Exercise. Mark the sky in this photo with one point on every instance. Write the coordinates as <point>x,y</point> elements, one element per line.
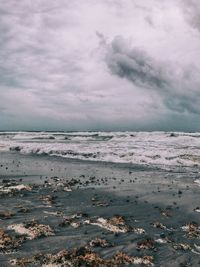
<point>100,65</point>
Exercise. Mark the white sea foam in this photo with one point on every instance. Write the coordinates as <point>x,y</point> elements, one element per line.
<point>149,148</point>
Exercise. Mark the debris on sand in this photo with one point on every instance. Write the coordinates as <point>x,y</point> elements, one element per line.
<point>6,215</point>
<point>32,230</point>
<point>100,204</point>
<point>185,247</point>
<point>48,199</point>
<point>97,203</point>
<point>159,225</point>
<point>57,184</point>
<point>14,188</point>
<point>197,209</point>
<point>73,220</point>
<point>75,224</point>
<point>147,243</point>
<point>162,240</point>
<point>139,231</point>
<point>99,242</point>
<point>67,189</point>
<point>76,216</point>
<point>192,229</point>
<point>121,259</point>
<point>116,224</point>
<point>8,242</point>
<point>23,209</point>
<point>52,213</point>
<point>83,257</point>
<point>166,213</point>
<point>182,246</point>
<point>23,262</point>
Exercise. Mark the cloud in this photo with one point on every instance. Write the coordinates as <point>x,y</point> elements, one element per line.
<point>135,65</point>
<point>191,10</point>
<point>53,72</point>
<point>178,86</point>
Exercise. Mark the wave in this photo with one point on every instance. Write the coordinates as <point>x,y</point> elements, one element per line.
<point>144,148</point>
<point>25,136</point>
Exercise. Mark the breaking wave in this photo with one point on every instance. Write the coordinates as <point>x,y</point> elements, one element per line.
<point>146,148</point>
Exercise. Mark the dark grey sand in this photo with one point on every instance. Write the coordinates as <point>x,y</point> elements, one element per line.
<point>158,201</point>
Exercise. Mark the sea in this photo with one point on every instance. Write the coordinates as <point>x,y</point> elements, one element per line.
<point>164,150</point>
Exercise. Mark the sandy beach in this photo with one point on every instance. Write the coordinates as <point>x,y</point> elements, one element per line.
<point>99,133</point>
<point>58,212</point>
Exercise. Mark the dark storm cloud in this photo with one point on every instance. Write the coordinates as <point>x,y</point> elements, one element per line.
<point>178,87</point>
<point>135,65</point>
<point>192,12</point>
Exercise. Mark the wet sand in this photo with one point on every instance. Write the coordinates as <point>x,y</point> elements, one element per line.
<point>96,214</point>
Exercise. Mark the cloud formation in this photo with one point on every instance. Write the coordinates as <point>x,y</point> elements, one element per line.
<point>99,65</point>
<point>192,12</point>
<point>178,86</point>
<point>135,65</point>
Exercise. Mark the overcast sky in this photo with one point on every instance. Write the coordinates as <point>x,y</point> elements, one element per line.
<point>100,65</point>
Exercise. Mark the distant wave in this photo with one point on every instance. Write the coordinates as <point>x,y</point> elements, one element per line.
<point>144,148</point>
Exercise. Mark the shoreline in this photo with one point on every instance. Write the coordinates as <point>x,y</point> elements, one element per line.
<point>125,165</point>
<point>83,201</point>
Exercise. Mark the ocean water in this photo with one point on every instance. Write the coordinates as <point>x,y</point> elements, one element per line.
<point>161,149</point>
